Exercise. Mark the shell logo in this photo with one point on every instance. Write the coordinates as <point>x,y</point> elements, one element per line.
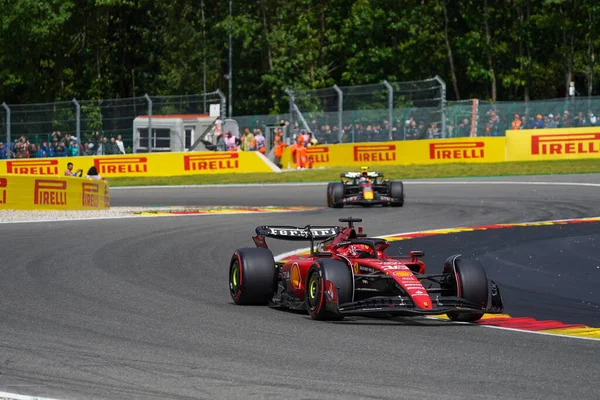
<point>295,276</point>
<point>402,273</point>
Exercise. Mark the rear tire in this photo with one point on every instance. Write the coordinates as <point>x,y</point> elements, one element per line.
<point>252,276</point>
<point>471,285</point>
<point>318,274</point>
<point>335,195</point>
<point>397,193</point>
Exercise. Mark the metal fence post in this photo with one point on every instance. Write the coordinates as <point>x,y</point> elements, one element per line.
<point>222,106</point>
<point>77,124</point>
<point>149,100</point>
<point>340,111</point>
<point>442,103</point>
<point>7,129</point>
<point>390,90</point>
<point>292,99</point>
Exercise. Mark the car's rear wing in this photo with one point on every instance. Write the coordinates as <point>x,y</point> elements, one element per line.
<point>354,175</point>
<point>293,233</point>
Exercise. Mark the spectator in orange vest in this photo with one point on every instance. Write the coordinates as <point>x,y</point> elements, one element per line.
<point>299,154</point>
<point>516,123</point>
<point>279,145</point>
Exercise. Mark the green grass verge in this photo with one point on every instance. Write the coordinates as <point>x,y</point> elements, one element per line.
<point>393,172</point>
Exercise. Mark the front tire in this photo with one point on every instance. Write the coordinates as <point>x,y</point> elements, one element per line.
<point>252,276</point>
<point>335,195</point>
<point>322,271</point>
<point>471,284</point>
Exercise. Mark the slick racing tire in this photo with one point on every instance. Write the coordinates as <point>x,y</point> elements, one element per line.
<point>315,292</point>
<point>252,276</point>
<point>397,193</point>
<point>335,195</point>
<point>471,284</point>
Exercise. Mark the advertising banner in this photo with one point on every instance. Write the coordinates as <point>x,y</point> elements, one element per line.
<point>553,144</point>
<point>464,150</point>
<point>136,165</point>
<point>38,192</point>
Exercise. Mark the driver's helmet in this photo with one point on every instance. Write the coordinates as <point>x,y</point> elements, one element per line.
<point>358,250</point>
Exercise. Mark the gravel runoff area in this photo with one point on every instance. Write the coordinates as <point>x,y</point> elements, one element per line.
<point>15,216</point>
<point>7,216</point>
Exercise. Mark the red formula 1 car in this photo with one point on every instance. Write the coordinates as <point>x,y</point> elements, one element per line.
<point>347,273</point>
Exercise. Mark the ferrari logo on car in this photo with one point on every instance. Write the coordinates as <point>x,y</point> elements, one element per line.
<point>355,268</point>
<point>295,276</point>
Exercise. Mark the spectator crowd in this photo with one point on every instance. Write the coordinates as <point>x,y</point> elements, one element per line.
<point>62,145</point>
<point>412,128</point>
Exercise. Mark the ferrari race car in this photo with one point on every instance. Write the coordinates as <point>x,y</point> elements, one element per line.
<point>349,274</point>
<point>366,189</point>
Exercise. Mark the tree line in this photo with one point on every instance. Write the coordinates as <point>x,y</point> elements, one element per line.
<point>495,50</point>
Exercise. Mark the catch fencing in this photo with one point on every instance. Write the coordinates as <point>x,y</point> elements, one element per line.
<point>91,121</point>
<point>382,112</point>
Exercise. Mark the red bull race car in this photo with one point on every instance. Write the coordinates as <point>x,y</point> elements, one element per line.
<point>349,274</point>
<point>366,189</point>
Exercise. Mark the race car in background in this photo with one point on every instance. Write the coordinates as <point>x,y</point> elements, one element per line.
<point>350,274</point>
<point>366,189</point>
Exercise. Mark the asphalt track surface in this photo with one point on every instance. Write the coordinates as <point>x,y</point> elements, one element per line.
<point>139,308</point>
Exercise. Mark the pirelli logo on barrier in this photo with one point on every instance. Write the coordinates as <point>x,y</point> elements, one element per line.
<point>121,165</point>
<point>318,154</point>
<point>106,197</point>
<point>558,144</point>
<point>3,186</point>
<point>50,192</point>
<point>211,162</point>
<point>32,167</point>
<point>90,194</point>
<point>375,153</point>
<point>456,150</point>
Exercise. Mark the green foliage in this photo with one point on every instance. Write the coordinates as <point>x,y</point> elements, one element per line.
<point>59,49</point>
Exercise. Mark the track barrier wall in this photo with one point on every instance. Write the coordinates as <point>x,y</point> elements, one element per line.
<point>38,192</point>
<point>521,145</point>
<point>144,164</point>
<point>465,150</point>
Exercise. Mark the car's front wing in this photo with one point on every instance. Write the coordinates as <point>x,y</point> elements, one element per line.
<point>404,306</point>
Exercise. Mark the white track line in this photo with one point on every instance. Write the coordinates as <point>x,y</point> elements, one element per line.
<point>407,182</point>
<point>282,256</point>
<point>21,397</point>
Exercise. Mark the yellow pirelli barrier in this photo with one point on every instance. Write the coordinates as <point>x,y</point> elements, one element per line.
<point>464,150</point>
<point>37,192</point>
<point>553,144</point>
<point>139,165</point>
